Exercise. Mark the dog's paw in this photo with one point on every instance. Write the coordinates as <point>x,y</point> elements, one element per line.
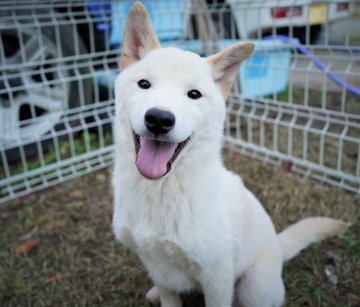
<point>153,296</point>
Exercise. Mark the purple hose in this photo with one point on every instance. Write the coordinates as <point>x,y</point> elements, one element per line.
<point>341,82</point>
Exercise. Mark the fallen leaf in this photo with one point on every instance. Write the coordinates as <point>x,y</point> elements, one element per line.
<point>52,225</point>
<point>52,278</point>
<point>287,166</point>
<point>27,247</point>
<point>35,223</point>
<point>353,299</point>
<point>120,286</point>
<point>76,194</point>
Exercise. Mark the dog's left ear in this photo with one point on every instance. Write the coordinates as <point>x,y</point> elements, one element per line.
<point>139,36</point>
<point>226,63</point>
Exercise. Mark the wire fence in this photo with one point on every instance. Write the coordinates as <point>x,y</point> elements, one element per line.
<point>296,102</point>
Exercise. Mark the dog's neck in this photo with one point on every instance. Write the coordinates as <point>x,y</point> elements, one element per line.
<point>172,200</point>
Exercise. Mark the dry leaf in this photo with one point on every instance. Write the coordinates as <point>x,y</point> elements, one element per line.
<point>353,299</point>
<point>35,223</point>
<point>27,247</point>
<point>120,286</point>
<point>76,194</point>
<point>287,166</point>
<point>52,278</point>
<point>52,225</point>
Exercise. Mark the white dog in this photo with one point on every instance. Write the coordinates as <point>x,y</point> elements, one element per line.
<point>193,223</point>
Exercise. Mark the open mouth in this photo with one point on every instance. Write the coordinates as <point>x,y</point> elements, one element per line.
<point>154,158</point>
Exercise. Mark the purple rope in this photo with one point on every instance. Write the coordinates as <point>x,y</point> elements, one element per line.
<point>336,79</point>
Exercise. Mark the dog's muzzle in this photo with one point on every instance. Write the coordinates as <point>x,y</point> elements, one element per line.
<point>155,151</point>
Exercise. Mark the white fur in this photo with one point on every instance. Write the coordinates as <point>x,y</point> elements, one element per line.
<point>199,227</point>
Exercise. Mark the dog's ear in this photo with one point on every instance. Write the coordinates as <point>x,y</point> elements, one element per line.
<point>139,36</point>
<point>226,63</point>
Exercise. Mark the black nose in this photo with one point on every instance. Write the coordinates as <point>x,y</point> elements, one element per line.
<point>159,121</point>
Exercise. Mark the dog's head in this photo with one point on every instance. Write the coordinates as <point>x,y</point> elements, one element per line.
<point>170,100</point>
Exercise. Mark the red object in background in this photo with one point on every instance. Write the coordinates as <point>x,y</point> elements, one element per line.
<point>286,11</point>
<point>344,6</point>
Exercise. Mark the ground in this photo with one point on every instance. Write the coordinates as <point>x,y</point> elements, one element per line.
<point>57,248</point>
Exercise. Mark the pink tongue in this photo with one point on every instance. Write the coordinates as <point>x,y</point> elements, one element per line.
<point>153,157</point>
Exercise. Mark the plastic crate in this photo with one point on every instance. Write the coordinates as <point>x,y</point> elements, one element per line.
<point>266,71</point>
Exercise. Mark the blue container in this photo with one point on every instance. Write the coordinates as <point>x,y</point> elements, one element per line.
<point>266,71</point>
<point>166,16</point>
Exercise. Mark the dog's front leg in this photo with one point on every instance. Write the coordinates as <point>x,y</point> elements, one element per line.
<point>168,298</point>
<point>217,285</point>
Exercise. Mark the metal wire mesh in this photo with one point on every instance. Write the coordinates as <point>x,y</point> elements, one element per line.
<point>58,61</point>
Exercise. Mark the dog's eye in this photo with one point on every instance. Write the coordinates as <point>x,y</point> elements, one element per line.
<point>144,84</point>
<point>194,94</point>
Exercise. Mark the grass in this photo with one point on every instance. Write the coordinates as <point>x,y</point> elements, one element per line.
<point>329,100</point>
<point>68,147</point>
<point>78,262</point>
<point>316,137</point>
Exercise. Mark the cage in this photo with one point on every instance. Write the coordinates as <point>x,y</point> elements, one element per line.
<point>296,105</point>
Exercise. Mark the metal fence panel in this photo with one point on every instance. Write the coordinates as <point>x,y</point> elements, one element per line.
<point>296,102</point>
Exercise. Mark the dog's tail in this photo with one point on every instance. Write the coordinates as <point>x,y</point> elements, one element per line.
<point>310,230</point>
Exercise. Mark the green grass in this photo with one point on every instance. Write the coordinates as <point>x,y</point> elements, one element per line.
<point>313,138</point>
<point>315,98</point>
<point>66,148</point>
<point>79,263</point>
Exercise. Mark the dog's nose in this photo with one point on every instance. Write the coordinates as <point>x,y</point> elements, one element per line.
<point>159,121</point>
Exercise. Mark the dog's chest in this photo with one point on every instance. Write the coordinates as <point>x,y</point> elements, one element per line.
<point>162,229</point>
<point>160,250</point>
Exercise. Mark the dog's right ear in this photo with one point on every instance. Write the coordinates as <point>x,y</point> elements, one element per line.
<point>139,36</point>
<point>226,63</point>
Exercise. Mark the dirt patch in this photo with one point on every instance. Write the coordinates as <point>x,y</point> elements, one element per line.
<point>77,261</point>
